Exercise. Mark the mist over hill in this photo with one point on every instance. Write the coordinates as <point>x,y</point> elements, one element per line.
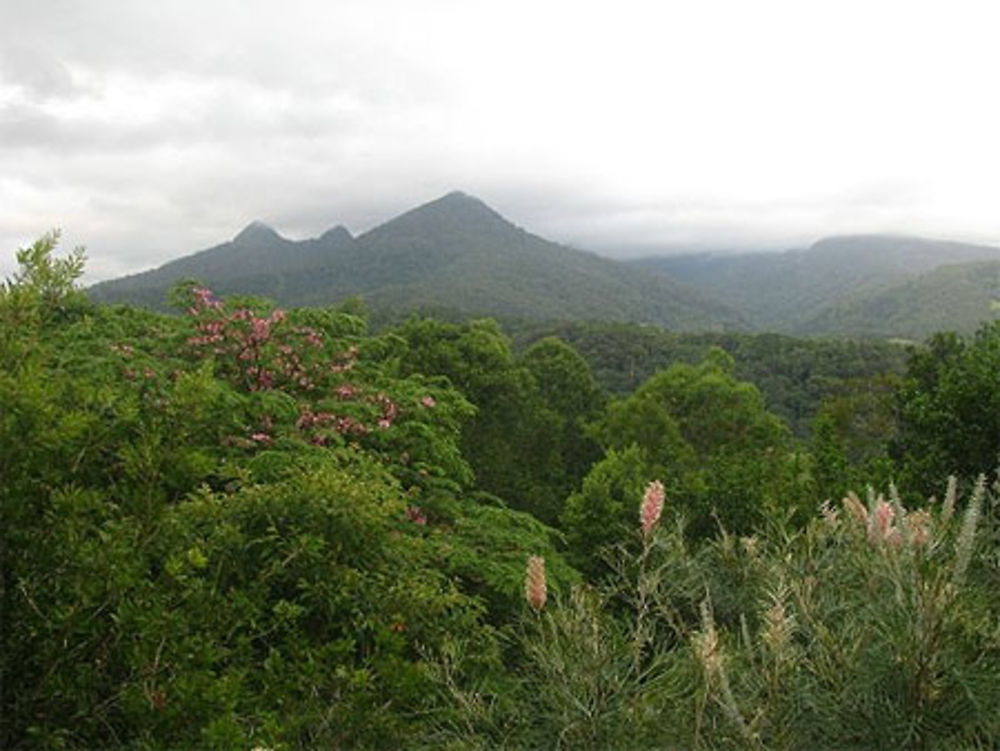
<point>844,285</point>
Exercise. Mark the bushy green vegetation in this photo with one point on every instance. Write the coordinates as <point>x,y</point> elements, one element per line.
<point>794,375</point>
<point>248,527</point>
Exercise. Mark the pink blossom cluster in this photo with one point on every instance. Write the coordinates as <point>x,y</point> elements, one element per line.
<point>264,357</point>
<point>345,360</point>
<point>204,299</point>
<point>389,411</point>
<point>345,392</point>
<point>343,424</point>
<point>415,515</point>
<point>310,336</point>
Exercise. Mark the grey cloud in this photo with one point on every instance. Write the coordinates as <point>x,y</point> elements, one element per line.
<point>39,74</point>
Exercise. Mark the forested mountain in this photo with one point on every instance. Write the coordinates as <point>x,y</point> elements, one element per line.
<point>811,290</point>
<point>453,253</point>
<point>957,297</point>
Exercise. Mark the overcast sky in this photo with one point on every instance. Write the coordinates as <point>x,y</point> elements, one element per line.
<point>147,130</point>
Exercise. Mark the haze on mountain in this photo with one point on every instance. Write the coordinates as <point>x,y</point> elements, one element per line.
<point>861,285</point>
<point>454,253</point>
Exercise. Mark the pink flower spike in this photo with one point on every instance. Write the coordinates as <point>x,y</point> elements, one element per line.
<point>535,589</point>
<point>880,523</point>
<point>428,401</point>
<point>652,506</point>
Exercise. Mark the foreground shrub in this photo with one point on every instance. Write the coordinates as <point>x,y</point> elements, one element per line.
<point>874,627</point>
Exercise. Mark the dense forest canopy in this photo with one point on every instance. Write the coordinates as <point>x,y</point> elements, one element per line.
<point>247,526</point>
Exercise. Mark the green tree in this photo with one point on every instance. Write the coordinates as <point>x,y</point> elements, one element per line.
<point>604,511</point>
<point>948,406</point>
<point>711,441</point>
<point>513,441</point>
<point>569,390</point>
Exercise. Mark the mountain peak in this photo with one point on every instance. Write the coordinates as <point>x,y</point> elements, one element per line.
<point>338,233</point>
<point>457,200</point>
<point>256,232</point>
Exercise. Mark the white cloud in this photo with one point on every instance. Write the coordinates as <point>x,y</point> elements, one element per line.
<point>150,130</point>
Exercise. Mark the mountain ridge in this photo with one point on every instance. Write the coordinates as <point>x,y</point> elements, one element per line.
<point>787,291</point>
<point>455,252</point>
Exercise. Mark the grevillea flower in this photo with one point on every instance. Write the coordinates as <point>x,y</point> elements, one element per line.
<point>918,527</point>
<point>880,526</point>
<point>854,507</point>
<point>652,506</point>
<point>428,401</point>
<point>535,591</point>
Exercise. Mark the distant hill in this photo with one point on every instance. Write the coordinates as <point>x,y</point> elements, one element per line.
<point>814,290</point>
<point>454,253</point>
<point>957,297</point>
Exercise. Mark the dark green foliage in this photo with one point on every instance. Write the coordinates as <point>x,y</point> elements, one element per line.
<point>709,439</point>
<point>831,469</point>
<point>573,398</point>
<point>514,440</point>
<point>857,422</point>
<point>949,407</point>
<point>603,511</point>
<point>794,375</point>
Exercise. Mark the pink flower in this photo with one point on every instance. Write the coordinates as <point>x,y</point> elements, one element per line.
<point>415,515</point>
<point>652,506</point>
<point>535,590</point>
<point>261,438</point>
<point>261,328</point>
<point>428,401</point>
<point>204,298</point>
<point>345,391</point>
<point>880,522</point>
